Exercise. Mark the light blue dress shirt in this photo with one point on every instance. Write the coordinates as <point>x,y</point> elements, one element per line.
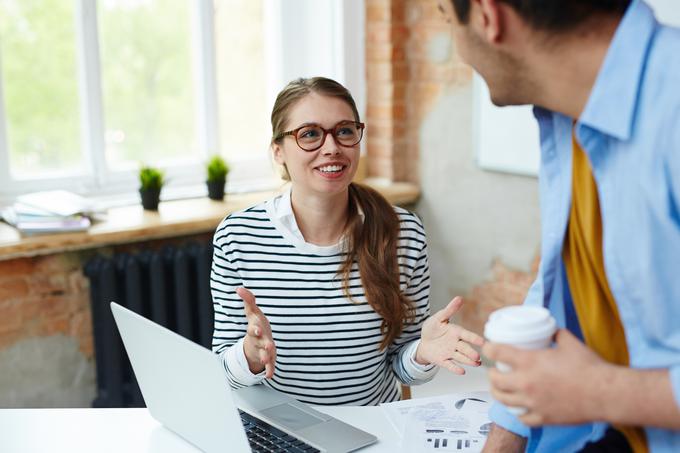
<point>630,130</point>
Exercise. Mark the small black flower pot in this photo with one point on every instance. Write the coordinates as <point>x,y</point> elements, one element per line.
<point>216,189</point>
<point>150,198</point>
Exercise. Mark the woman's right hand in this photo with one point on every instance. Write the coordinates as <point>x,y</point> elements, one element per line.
<point>258,344</point>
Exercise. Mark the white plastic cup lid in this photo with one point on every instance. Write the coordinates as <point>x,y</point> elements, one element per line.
<point>519,324</point>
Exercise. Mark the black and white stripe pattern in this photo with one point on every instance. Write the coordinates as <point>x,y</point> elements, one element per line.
<point>327,346</point>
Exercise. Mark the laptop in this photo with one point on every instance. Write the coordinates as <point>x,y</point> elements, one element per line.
<point>185,388</point>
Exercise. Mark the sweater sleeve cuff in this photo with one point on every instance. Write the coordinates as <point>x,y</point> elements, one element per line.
<point>501,417</point>
<point>414,369</point>
<point>238,365</point>
<point>674,374</point>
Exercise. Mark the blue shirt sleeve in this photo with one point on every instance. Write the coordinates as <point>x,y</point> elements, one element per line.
<point>674,374</point>
<point>499,415</point>
<point>535,294</point>
<point>673,168</point>
<point>673,165</point>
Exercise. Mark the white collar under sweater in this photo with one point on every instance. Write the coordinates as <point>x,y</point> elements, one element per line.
<point>280,210</point>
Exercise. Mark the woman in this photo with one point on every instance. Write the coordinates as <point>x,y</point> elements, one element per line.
<point>341,277</point>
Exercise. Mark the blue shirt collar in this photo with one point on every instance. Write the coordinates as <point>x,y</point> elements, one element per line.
<point>612,103</point>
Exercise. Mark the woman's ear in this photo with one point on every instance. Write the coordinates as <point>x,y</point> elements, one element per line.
<point>277,152</point>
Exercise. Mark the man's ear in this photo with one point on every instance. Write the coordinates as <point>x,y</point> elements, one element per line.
<point>277,152</point>
<point>489,19</point>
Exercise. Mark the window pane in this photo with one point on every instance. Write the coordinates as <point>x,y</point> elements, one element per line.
<point>147,83</point>
<point>244,116</point>
<point>39,76</point>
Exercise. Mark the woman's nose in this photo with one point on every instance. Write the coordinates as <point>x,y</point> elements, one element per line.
<point>330,145</point>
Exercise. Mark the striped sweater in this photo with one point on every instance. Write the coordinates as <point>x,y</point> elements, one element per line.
<point>327,346</point>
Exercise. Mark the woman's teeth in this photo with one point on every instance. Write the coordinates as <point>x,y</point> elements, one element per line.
<point>331,168</point>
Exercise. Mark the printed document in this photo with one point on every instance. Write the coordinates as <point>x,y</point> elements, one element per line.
<point>457,422</point>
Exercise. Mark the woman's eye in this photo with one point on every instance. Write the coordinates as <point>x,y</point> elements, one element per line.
<point>345,131</point>
<point>309,133</point>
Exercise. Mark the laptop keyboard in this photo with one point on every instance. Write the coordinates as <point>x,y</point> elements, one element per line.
<point>264,438</point>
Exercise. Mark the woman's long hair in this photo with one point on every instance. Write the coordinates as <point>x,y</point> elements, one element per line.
<point>371,241</point>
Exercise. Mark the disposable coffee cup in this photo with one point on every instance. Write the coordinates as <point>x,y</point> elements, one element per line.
<point>523,327</point>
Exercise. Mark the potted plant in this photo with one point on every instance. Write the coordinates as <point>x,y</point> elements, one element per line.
<point>217,170</point>
<point>151,181</point>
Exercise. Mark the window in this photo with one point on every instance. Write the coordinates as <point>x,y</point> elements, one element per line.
<point>91,89</point>
<point>146,82</point>
<point>240,67</point>
<point>40,88</point>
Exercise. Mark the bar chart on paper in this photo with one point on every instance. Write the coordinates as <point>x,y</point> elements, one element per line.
<point>448,423</point>
<point>459,444</point>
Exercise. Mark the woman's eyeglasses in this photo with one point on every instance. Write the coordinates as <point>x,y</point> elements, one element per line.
<point>311,137</point>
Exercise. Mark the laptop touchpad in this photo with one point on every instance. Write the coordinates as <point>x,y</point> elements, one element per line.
<point>290,416</point>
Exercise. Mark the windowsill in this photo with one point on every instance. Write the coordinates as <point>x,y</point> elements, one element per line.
<point>126,224</point>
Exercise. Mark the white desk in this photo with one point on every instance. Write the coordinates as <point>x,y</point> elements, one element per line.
<point>134,430</point>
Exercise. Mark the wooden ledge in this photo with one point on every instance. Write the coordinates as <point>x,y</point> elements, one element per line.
<point>174,218</point>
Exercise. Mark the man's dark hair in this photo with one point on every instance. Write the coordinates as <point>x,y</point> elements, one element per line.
<point>553,15</point>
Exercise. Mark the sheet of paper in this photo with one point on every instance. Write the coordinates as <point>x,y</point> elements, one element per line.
<point>454,422</point>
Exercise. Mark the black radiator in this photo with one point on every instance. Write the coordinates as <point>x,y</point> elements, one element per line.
<point>170,286</point>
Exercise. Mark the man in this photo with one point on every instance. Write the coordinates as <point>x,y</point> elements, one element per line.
<point>604,77</point>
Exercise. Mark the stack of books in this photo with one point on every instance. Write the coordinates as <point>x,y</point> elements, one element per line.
<point>56,211</point>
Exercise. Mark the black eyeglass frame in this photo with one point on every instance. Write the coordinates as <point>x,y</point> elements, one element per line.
<point>361,126</point>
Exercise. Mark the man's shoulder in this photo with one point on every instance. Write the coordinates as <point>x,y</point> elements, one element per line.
<point>662,65</point>
<point>667,39</point>
<point>659,91</point>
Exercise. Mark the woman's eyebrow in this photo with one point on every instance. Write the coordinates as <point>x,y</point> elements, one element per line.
<point>309,123</point>
<point>312,123</point>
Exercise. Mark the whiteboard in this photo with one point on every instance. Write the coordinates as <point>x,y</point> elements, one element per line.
<point>506,139</point>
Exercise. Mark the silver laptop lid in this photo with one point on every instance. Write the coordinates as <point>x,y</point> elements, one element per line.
<point>183,384</point>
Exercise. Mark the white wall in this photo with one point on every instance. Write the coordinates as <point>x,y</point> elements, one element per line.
<point>472,217</point>
<point>667,11</point>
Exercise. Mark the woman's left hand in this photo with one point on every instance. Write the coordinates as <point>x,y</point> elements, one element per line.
<point>446,344</point>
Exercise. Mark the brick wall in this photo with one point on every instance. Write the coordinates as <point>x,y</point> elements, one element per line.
<point>44,296</point>
<point>403,79</point>
<point>411,62</point>
<point>49,295</point>
<point>505,287</point>
<point>44,303</point>
<point>387,76</point>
